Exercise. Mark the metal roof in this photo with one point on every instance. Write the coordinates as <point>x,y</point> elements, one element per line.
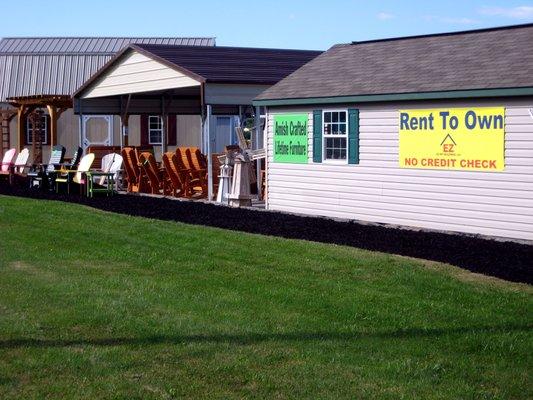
<point>59,65</point>
<point>493,58</point>
<point>231,64</point>
<point>85,45</point>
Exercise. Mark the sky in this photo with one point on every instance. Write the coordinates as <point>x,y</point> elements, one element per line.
<point>297,24</point>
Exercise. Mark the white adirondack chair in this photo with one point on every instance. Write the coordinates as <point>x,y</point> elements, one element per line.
<point>7,161</point>
<point>111,163</point>
<point>21,161</point>
<point>78,175</point>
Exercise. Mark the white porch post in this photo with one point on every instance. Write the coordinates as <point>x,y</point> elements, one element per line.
<point>81,125</point>
<point>209,160</point>
<point>164,132</point>
<point>257,144</point>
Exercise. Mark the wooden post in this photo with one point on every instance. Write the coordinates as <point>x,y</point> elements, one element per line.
<point>21,115</point>
<point>52,111</point>
<point>209,156</point>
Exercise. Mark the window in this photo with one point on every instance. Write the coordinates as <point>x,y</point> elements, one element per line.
<point>44,130</point>
<point>155,129</point>
<point>335,132</point>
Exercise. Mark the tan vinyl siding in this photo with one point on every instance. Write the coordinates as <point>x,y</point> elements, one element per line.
<point>377,190</point>
<point>189,130</point>
<point>138,73</point>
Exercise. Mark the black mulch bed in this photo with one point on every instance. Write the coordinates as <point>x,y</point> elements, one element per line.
<point>507,260</point>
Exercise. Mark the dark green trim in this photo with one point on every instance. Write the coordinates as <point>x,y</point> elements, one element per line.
<point>453,94</point>
<point>317,136</point>
<point>353,136</point>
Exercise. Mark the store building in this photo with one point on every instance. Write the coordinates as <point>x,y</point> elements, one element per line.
<point>432,132</point>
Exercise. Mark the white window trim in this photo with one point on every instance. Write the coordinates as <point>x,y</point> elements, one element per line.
<point>29,138</point>
<point>330,160</point>
<point>160,129</point>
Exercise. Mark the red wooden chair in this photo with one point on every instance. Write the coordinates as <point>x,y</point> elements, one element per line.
<point>135,177</point>
<point>196,173</point>
<point>180,178</point>
<point>155,175</point>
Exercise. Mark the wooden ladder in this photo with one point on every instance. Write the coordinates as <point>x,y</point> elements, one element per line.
<point>5,136</point>
<point>5,118</point>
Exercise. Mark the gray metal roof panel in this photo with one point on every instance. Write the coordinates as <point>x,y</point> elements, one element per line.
<point>484,59</point>
<point>30,66</point>
<point>107,45</point>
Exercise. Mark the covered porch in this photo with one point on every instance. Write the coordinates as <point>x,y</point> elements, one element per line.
<point>217,84</point>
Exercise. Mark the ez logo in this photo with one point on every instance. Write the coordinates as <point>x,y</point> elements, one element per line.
<point>448,144</point>
<point>447,148</point>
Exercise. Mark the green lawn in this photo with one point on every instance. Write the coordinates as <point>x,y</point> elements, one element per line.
<point>101,306</point>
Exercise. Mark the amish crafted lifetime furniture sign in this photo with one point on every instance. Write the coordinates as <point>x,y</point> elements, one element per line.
<point>455,138</point>
<point>290,138</point>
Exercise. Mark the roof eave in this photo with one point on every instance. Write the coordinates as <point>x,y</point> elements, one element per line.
<point>373,98</point>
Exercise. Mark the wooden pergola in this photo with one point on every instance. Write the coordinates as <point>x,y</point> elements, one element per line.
<point>56,104</point>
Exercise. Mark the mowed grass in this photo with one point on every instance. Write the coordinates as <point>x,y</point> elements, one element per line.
<point>101,306</point>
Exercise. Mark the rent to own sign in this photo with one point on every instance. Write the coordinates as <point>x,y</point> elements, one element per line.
<point>455,138</point>
<point>290,138</point>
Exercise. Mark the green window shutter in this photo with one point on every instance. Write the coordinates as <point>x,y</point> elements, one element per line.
<point>353,136</point>
<point>317,136</point>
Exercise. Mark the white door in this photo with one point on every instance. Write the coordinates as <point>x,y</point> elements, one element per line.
<point>97,130</point>
<point>224,132</point>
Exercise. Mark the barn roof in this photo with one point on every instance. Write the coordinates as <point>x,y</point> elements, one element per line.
<point>59,65</point>
<point>472,60</point>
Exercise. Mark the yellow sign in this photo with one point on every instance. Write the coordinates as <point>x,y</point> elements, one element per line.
<point>453,138</point>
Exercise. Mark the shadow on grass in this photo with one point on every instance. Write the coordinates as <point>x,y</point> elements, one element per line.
<point>255,338</point>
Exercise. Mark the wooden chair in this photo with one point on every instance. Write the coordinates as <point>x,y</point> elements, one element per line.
<point>135,177</point>
<point>43,175</point>
<point>75,176</point>
<point>155,174</point>
<point>7,161</point>
<point>111,163</point>
<point>181,184</point>
<point>196,158</point>
<point>199,174</point>
<point>104,180</point>
<point>17,169</point>
<point>75,160</point>
<point>18,172</point>
<point>132,177</point>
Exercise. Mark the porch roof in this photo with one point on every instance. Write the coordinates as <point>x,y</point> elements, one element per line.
<point>205,75</point>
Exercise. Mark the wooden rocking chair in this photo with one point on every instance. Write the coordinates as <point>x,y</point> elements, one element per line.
<point>155,174</point>
<point>135,177</point>
<point>180,178</point>
<point>195,171</point>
